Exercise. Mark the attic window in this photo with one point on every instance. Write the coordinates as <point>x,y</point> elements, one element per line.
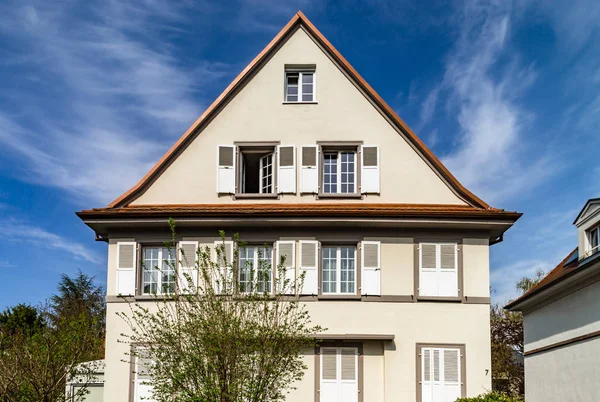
<point>594,239</point>
<point>300,85</point>
<point>256,170</point>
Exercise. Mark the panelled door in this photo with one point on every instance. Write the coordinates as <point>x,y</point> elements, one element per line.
<point>339,374</point>
<point>440,374</point>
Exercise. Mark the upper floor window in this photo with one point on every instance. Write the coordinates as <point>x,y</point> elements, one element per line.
<point>255,268</point>
<point>438,270</point>
<point>594,239</point>
<point>339,172</point>
<point>338,270</point>
<point>256,171</point>
<point>300,86</point>
<point>158,270</point>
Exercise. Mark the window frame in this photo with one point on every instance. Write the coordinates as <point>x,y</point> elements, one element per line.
<point>459,268</point>
<point>357,270</point>
<point>267,147</point>
<point>591,250</point>
<point>300,72</point>
<point>141,268</point>
<point>463,365</point>
<point>339,147</point>
<point>255,264</point>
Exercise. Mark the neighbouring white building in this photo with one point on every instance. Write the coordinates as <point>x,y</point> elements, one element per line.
<point>561,318</point>
<point>301,154</point>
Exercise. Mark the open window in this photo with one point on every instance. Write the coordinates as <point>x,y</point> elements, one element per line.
<point>594,240</point>
<point>256,173</point>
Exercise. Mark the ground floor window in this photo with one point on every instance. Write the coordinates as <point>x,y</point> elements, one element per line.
<point>339,374</point>
<point>441,372</point>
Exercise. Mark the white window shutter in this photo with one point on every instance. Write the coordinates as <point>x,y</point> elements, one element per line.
<point>287,249</point>
<point>226,156</point>
<point>371,268</point>
<point>428,273</point>
<point>223,276</point>
<point>370,174</point>
<point>452,380</point>
<point>349,374</point>
<point>448,270</point>
<point>286,169</point>
<point>309,171</point>
<point>309,254</point>
<point>126,264</point>
<point>188,257</point>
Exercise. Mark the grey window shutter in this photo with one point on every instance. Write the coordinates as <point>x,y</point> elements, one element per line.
<point>188,271</point>
<point>287,249</point>
<point>226,155</point>
<point>309,171</point>
<point>371,171</point>
<point>348,364</point>
<point>126,268</point>
<point>286,169</point>
<point>329,363</point>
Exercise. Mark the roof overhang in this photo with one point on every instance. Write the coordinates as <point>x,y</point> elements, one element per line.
<point>581,217</point>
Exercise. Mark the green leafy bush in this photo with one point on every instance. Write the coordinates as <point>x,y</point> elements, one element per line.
<point>492,397</point>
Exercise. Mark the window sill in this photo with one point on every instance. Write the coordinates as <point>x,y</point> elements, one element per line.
<point>339,297</point>
<point>247,196</point>
<point>300,103</point>
<point>340,195</point>
<point>457,299</point>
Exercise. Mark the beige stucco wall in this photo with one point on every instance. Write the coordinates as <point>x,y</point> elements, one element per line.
<point>389,368</point>
<point>258,114</point>
<point>574,315</point>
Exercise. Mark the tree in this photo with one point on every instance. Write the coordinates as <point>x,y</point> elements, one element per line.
<point>223,340</point>
<point>42,347</point>
<point>525,284</point>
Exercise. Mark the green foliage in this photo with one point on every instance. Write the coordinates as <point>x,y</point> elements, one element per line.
<point>492,397</point>
<point>41,347</point>
<point>527,283</point>
<point>507,350</point>
<point>217,342</point>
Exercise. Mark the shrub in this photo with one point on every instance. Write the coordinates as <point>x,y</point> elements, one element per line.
<point>492,397</point>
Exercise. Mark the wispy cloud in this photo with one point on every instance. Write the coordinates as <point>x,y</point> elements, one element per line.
<point>19,232</point>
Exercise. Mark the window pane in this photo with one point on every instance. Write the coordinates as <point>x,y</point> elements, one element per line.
<point>347,270</point>
<point>329,273</point>
<point>292,79</point>
<point>307,89</point>
<point>307,78</point>
<point>292,91</point>
<point>264,269</point>
<point>330,172</point>
<point>292,98</point>
<point>151,269</point>
<point>307,98</point>
<point>246,268</point>
<point>347,176</point>
<point>168,271</point>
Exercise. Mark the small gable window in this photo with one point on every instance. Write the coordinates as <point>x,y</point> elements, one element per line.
<point>594,239</point>
<point>300,85</point>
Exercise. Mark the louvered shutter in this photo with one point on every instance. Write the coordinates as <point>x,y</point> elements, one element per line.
<point>349,374</point>
<point>187,266</point>
<point>286,169</point>
<point>224,262</point>
<point>330,389</point>
<point>309,171</point>
<point>371,268</point>
<point>142,389</point>
<point>126,267</point>
<point>370,175</point>
<point>287,249</point>
<point>448,270</point>
<point>226,156</point>
<point>428,275</point>
<point>426,375</point>
<point>309,254</point>
<point>451,369</point>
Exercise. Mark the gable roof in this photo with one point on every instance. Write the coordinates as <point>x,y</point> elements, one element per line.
<point>299,20</point>
<point>588,204</point>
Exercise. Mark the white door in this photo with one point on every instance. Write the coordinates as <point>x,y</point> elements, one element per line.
<point>339,374</point>
<point>440,374</point>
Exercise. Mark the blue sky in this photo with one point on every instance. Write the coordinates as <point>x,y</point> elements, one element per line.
<point>92,94</point>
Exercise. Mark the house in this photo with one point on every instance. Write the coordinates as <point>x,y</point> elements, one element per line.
<point>561,321</point>
<point>92,378</point>
<point>301,153</point>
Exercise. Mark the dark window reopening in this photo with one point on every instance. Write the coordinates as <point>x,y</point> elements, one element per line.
<point>257,170</point>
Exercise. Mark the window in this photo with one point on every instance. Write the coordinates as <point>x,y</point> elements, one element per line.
<point>339,172</point>
<point>256,268</point>
<point>438,270</point>
<point>594,239</point>
<point>256,170</point>
<point>142,388</point>
<point>339,374</point>
<point>158,270</point>
<point>441,373</point>
<point>300,86</point>
<point>338,267</point>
